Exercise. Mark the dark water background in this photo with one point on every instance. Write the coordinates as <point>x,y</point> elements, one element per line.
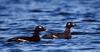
<point>19,17</point>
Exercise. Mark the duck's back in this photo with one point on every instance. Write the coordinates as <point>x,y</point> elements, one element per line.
<point>57,36</point>
<point>23,39</point>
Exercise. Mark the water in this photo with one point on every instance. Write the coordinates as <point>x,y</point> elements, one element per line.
<point>19,18</point>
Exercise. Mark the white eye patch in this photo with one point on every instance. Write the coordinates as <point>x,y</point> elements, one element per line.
<point>68,23</point>
<point>40,27</point>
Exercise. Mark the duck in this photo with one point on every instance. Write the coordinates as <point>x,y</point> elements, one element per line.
<point>64,35</point>
<point>34,38</point>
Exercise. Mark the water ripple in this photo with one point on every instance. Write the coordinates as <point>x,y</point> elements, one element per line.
<point>19,18</point>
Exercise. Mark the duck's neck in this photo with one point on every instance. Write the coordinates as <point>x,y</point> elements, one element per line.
<point>36,34</point>
<point>67,31</point>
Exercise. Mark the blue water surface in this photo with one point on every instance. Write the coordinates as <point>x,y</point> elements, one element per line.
<point>20,17</point>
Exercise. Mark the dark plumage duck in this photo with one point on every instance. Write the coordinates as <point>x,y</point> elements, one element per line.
<point>34,38</point>
<point>65,35</point>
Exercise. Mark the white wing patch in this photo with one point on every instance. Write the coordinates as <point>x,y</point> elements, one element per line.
<point>22,40</point>
<point>55,36</point>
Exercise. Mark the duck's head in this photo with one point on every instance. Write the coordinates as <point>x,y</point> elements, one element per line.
<point>70,24</point>
<point>39,28</point>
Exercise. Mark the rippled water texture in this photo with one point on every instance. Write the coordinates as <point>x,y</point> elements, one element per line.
<point>19,17</point>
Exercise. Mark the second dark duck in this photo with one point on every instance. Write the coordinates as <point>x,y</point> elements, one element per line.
<point>64,35</point>
<point>34,38</point>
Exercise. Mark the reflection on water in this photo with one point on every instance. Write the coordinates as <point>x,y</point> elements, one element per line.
<point>18,18</point>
